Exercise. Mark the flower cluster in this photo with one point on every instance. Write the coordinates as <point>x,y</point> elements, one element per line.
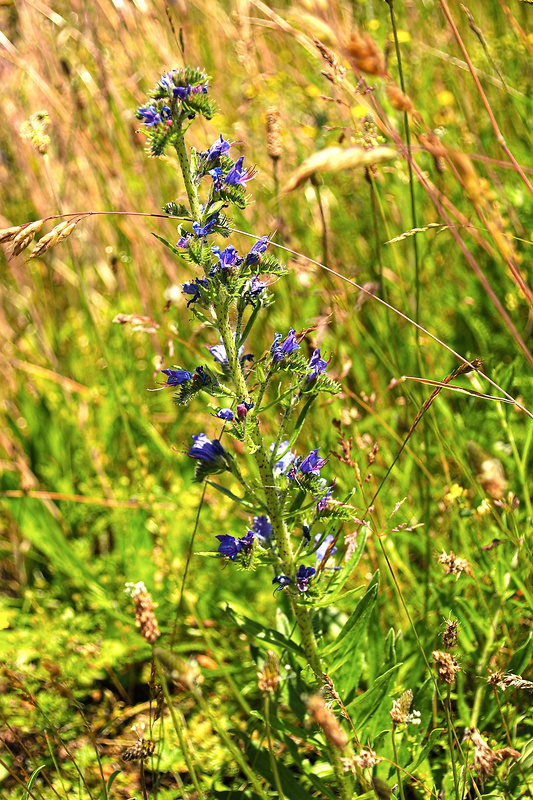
<point>228,291</point>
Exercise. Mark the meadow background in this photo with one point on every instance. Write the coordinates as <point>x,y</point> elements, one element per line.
<point>95,489</point>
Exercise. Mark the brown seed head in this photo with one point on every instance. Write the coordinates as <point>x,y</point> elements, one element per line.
<point>274,140</point>
<point>504,681</point>
<point>485,758</point>
<point>326,719</point>
<point>453,564</point>
<point>144,748</point>
<point>268,678</point>
<point>365,55</point>
<point>446,665</point>
<point>144,611</point>
<point>449,637</point>
<point>25,236</point>
<point>399,100</point>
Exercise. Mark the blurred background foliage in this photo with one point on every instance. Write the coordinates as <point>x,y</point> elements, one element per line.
<point>95,489</point>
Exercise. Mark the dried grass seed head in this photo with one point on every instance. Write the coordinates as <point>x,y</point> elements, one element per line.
<point>274,131</point>
<point>485,758</point>
<point>268,677</point>
<point>326,719</point>
<point>509,680</point>
<point>365,55</point>
<point>145,617</point>
<point>449,636</point>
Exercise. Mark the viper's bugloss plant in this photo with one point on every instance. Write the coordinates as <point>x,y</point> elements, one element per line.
<point>287,492</point>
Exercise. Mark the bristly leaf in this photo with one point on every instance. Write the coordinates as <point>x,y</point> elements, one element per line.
<point>180,253</point>
<point>234,194</point>
<point>322,384</point>
<point>269,265</point>
<point>174,209</point>
<point>336,509</point>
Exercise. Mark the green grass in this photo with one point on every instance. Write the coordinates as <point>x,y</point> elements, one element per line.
<point>95,489</point>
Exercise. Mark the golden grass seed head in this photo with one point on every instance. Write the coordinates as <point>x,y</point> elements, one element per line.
<point>326,719</point>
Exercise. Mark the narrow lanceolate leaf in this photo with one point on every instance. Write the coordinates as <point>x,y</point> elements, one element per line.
<point>334,159</point>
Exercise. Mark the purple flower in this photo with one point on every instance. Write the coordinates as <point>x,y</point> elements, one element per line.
<point>255,287</point>
<point>200,89</point>
<point>323,502</point>
<point>262,528</point>
<point>203,231</point>
<point>283,581</point>
<point>289,346</point>
<point>210,455</point>
<point>183,242</point>
<point>243,408</point>
<point>312,464</point>
<point>316,365</point>
<point>226,414</point>
<point>228,257</point>
<point>194,288</point>
<point>150,115</point>
<point>230,547</point>
<point>182,92</point>
<point>282,465</point>
<point>257,250</point>
<point>237,176</point>
<point>177,376</point>
<point>306,532</point>
<point>302,577</point>
<point>219,148</point>
<point>321,551</point>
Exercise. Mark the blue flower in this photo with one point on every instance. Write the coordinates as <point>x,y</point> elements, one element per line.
<point>217,175</point>
<point>230,547</point>
<point>182,92</point>
<point>306,532</point>
<point>237,176</point>
<point>283,581</point>
<point>289,346</point>
<point>150,115</point>
<point>316,365</point>
<point>218,351</point>
<point>312,464</point>
<point>257,250</point>
<point>302,577</point>
<point>217,149</point>
<point>177,376</point>
<point>255,287</point>
<point>262,528</point>
<point>183,242</point>
<point>226,414</point>
<point>200,89</point>
<point>194,288</point>
<point>286,459</point>
<point>321,551</point>
<point>203,231</point>
<point>210,455</point>
<point>227,257</point>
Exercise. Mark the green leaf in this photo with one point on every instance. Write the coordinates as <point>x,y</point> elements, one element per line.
<point>353,626</point>
<point>167,244</point>
<point>264,634</point>
<point>33,777</point>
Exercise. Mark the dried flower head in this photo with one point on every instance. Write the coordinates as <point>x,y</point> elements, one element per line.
<point>449,637</point>
<point>268,678</point>
<point>337,73</point>
<point>485,758</point>
<point>401,713</point>
<point>446,665</point>
<point>453,564</point>
<point>365,55</point>
<point>367,759</point>
<point>274,141</point>
<point>144,611</point>
<point>144,748</point>
<point>326,719</point>
<point>504,681</point>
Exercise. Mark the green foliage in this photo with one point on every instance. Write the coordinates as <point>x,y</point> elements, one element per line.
<point>95,486</point>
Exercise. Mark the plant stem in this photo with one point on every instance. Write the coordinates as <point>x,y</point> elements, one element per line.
<point>449,725</point>
<point>187,179</point>
<point>268,482</point>
<point>271,755</point>
<point>398,771</point>
<point>178,727</point>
